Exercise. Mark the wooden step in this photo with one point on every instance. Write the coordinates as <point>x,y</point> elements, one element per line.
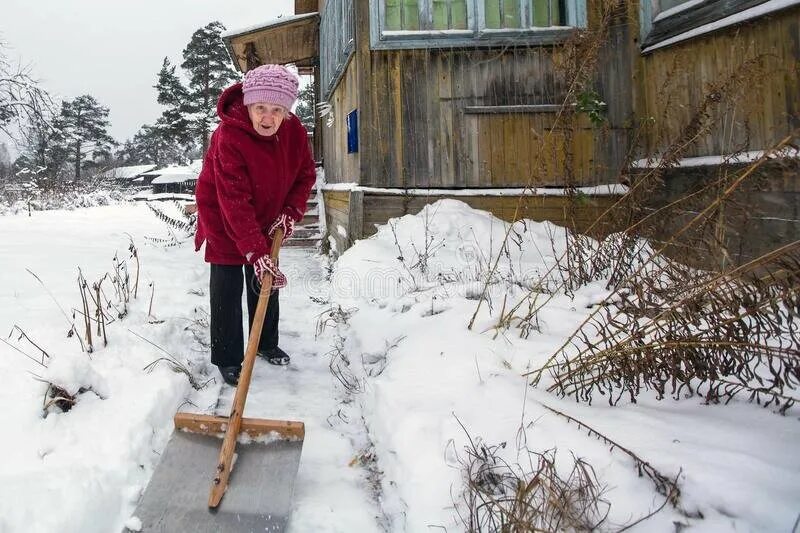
<point>309,242</point>
<point>305,232</point>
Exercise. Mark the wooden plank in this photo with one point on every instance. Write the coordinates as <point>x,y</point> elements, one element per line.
<point>790,27</point>
<point>365,99</point>
<point>503,109</point>
<point>254,427</point>
<point>446,106</point>
<point>482,173</point>
<point>396,178</point>
<point>355,220</point>
<point>512,175</point>
<point>434,111</point>
<point>522,134</point>
<point>304,6</point>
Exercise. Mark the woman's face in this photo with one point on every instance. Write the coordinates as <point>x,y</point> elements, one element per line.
<point>266,118</point>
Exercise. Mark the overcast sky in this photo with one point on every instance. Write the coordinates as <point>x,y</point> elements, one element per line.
<point>113,49</point>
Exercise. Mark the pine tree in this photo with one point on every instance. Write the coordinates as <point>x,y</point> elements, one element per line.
<point>151,145</point>
<point>83,128</point>
<point>172,94</point>
<point>305,106</point>
<point>192,110</point>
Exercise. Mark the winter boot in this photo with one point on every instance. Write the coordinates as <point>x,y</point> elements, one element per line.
<point>230,374</point>
<point>275,356</point>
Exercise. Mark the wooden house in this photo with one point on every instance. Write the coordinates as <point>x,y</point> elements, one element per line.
<point>431,98</point>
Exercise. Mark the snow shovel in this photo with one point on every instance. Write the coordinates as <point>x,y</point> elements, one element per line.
<point>260,492</point>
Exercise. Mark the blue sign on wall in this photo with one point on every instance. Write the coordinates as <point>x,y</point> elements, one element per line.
<point>352,131</point>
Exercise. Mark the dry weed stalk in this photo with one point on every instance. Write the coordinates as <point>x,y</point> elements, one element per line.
<point>135,256</point>
<point>22,335</point>
<point>83,288</point>
<point>731,333</point>
<point>173,363</point>
<point>665,486</point>
<point>499,497</point>
<point>185,222</point>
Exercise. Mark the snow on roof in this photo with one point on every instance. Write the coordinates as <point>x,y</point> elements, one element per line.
<point>176,174</point>
<point>123,173</point>
<point>174,178</point>
<point>714,160</point>
<point>284,19</point>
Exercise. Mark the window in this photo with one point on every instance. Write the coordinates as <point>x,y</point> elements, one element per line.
<point>513,14</point>
<point>416,15</point>
<point>439,23</point>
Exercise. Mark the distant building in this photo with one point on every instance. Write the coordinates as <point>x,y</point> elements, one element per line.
<point>174,179</point>
<point>126,176</point>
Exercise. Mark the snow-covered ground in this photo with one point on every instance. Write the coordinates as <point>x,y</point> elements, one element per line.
<point>383,452</point>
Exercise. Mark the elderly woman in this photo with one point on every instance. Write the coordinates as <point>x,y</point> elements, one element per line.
<point>256,177</point>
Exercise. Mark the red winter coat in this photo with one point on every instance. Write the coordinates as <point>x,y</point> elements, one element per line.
<point>247,181</point>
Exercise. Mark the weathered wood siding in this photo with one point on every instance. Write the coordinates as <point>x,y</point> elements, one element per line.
<point>304,6</point>
<point>337,212</point>
<point>378,208</point>
<point>761,55</point>
<point>341,167</point>
<point>417,129</point>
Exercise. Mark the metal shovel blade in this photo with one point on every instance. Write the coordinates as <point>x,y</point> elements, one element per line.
<point>257,499</point>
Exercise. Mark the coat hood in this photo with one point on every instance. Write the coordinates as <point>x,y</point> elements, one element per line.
<point>233,112</point>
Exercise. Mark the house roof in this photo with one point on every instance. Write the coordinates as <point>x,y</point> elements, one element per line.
<point>124,173</point>
<point>290,39</point>
<point>176,174</point>
<point>280,21</point>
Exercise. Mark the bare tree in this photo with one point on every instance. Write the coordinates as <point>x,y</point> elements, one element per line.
<point>22,100</point>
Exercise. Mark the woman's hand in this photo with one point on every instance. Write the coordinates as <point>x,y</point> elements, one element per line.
<point>263,266</point>
<point>285,222</point>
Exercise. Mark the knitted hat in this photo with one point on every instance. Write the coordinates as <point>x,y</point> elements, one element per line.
<point>270,84</point>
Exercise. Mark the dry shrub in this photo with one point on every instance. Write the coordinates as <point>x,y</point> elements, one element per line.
<point>511,498</point>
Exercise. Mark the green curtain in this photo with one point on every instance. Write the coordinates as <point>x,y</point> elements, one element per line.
<point>393,16</point>
<point>511,14</point>
<point>547,13</point>
<point>449,14</point>
<point>410,15</point>
<point>502,14</point>
<point>458,14</point>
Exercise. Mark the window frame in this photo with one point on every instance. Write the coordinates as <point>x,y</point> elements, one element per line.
<point>658,31</point>
<point>476,33</point>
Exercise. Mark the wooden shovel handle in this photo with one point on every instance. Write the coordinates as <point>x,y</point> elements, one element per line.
<point>224,464</point>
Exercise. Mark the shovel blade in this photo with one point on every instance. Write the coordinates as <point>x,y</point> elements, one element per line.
<point>258,497</point>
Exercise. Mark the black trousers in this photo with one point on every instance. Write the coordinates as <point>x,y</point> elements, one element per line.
<point>227,339</point>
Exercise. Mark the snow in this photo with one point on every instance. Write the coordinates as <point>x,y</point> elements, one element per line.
<point>148,195</point>
<point>382,454</point>
<point>129,172</point>
<point>715,160</point>
<point>737,18</point>
<point>176,174</point>
<point>597,190</point>
<point>174,177</point>
<point>284,19</point>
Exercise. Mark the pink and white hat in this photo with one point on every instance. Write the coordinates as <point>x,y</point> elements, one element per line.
<point>270,84</point>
